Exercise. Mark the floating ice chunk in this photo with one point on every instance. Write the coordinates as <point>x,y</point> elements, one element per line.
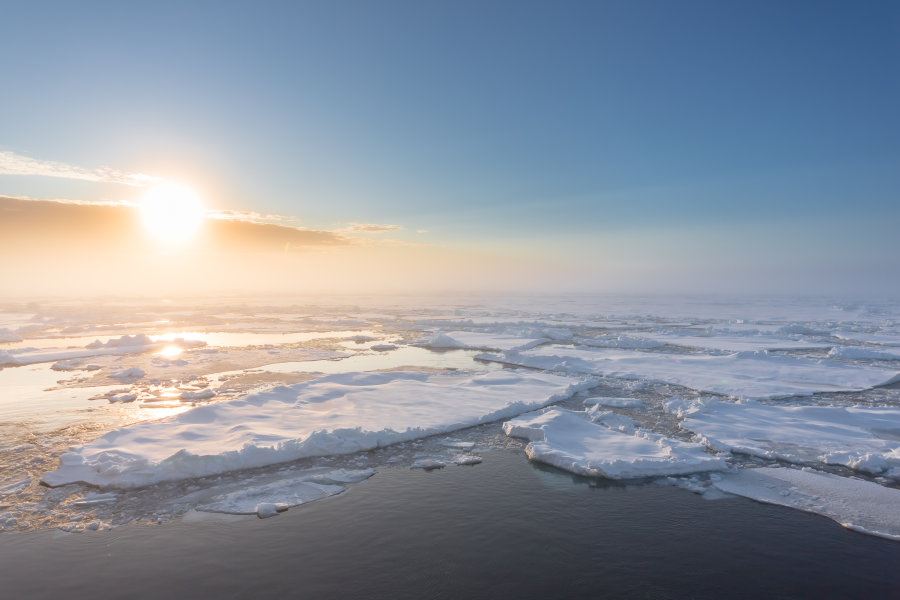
<point>197,395</point>
<point>383,347</point>
<point>858,505</point>
<point>429,464</point>
<point>614,402</point>
<point>620,341</point>
<point>336,414</point>
<point>749,375</point>
<point>132,374</point>
<point>568,440</point>
<point>858,352</point>
<point>750,343</point>
<point>68,365</point>
<point>269,499</point>
<point>124,398</point>
<point>124,341</point>
<point>94,499</point>
<point>479,341</point>
<point>467,459</point>
<point>865,439</point>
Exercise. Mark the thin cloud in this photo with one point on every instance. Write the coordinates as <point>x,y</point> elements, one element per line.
<point>370,228</point>
<point>16,164</point>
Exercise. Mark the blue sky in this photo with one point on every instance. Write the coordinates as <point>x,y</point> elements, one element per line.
<point>744,130</point>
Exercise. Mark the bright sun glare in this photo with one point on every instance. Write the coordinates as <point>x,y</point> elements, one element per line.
<point>172,212</point>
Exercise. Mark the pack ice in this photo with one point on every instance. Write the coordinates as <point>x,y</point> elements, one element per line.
<point>859,505</point>
<point>569,440</point>
<point>864,439</point>
<point>748,375</point>
<point>335,414</point>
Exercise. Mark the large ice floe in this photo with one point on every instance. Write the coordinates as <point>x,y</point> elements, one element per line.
<point>748,375</point>
<point>864,439</point>
<point>336,414</point>
<point>569,440</point>
<point>859,505</point>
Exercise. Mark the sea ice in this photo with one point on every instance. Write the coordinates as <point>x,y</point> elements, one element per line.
<point>613,402</point>
<point>859,505</point>
<point>749,375</point>
<point>473,340</point>
<point>865,439</point>
<point>568,440</point>
<point>859,352</point>
<point>336,414</point>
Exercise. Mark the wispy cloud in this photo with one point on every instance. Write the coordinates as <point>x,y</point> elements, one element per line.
<point>370,228</point>
<point>16,164</point>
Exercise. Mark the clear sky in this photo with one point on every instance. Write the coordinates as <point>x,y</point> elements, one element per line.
<point>611,146</point>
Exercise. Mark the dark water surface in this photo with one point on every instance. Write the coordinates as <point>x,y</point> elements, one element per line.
<point>502,529</point>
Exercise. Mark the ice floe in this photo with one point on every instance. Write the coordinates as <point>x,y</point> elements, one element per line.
<point>859,505</point>
<point>568,440</point>
<point>748,375</point>
<point>865,353</point>
<point>337,414</point>
<point>864,439</point>
<point>473,340</point>
<point>725,343</point>
<point>270,498</point>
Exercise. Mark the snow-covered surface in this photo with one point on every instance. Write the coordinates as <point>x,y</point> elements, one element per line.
<point>751,375</point>
<point>865,439</point>
<point>568,440</point>
<point>726,343</point>
<point>336,414</point>
<point>869,353</point>
<point>474,340</point>
<point>859,505</point>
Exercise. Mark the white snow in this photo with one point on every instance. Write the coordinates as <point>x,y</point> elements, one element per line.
<point>859,352</point>
<point>131,374</point>
<point>749,375</point>
<point>568,440</point>
<point>865,439</point>
<point>859,505</point>
<point>750,343</point>
<point>336,414</point>
<point>474,340</point>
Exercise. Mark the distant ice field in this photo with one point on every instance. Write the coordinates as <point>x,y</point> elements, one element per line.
<point>138,412</point>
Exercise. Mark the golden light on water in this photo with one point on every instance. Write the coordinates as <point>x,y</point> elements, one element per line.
<point>170,351</point>
<point>172,212</point>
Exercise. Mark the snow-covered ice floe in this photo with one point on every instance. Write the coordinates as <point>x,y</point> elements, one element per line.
<point>335,414</point>
<point>749,343</point>
<point>865,353</point>
<point>473,340</point>
<point>859,505</point>
<point>749,375</point>
<point>568,440</point>
<point>864,439</point>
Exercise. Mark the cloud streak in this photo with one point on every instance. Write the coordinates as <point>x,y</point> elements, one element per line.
<point>370,228</point>
<point>17,164</point>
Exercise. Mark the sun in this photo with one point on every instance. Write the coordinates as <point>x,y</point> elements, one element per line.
<point>172,212</point>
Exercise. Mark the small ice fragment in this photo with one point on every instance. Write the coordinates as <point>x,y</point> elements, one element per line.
<point>429,464</point>
<point>383,347</point>
<point>131,374</point>
<point>467,459</point>
<point>198,395</point>
<point>614,402</point>
<point>123,398</point>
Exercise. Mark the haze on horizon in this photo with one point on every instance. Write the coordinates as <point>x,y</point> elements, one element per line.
<point>507,147</point>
